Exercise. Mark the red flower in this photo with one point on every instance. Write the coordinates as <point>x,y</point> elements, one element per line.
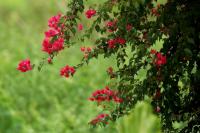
<point>24,65</point>
<point>121,41</point>
<point>51,33</point>
<point>111,43</point>
<point>129,27</point>
<point>82,49</point>
<point>160,59</point>
<point>89,13</point>
<point>153,51</point>
<point>86,49</point>
<point>56,46</point>
<point>100,118</point>
<point>47,46</point>
<point>91,99</point>
<point>80,27</point>
<point>67,71</point>
<point>53,21</point>
<point>49,60</point>
<point>105,94</point>
<point>89,49</point>
<point>118,100</point>
<point>111,25</point>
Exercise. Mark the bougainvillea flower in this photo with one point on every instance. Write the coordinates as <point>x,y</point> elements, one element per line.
<point>111,43</point>
<point>83,49</point>
<point>117,99</point>
<point>129,27</point>
<point>49,60</point>
<point>54,21</point>
<point>47,46</point>
<point>101,118</point>
<point>67,71</point>
<point>153,51</point>
<point>105,94</point>
<point>56,46</point>
<point>24,65</point>
<point>89,13</point>
<point>121,41</point>
<point>111,25</point>
<point>51,33</point>
<point>160,59</point>
<point>80,27</point>
<point>89,49</point>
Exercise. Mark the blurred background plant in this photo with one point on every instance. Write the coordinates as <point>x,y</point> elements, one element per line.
<point>140,120</point>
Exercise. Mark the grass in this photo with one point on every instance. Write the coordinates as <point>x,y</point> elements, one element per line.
<point>43,102</point>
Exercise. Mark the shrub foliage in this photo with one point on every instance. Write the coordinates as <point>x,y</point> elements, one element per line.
<point>130,31</point>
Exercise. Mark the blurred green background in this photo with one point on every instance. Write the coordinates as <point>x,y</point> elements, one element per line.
<point>43,102</point>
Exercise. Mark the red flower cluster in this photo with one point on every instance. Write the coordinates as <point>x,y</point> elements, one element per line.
<point>129,27</point>
<point>121,41</point>
<point>52,32</point>
<point>80,27</point>
<point>105,95</point>
<point>111,25</point>
<point>112,42</point>
<point>24,65</point>
<point>57,45</point>
<point>86,51</point>
<point>160,59</point>
<point>89,13</point>
<point>101,118</point>
<point>153,51</point>
<point>53,21</point>
<point>67,71</point>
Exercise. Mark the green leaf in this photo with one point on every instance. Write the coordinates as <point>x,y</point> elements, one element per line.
<point>140,120</point>
<point>97,28</point>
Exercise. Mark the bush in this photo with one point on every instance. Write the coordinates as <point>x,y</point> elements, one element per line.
<point>131,31</point>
